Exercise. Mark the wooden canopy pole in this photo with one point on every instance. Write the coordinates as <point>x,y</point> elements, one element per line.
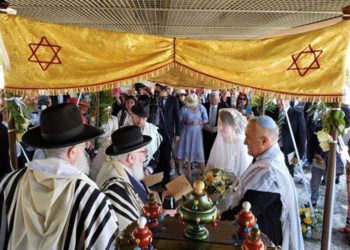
<point>262,105</point>
<point>97,114</point>
<point>12,142</point>
<point>329,197</point>
<point>331,170</point>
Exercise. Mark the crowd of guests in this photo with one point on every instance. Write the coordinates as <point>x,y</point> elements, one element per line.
<point>53,201</point>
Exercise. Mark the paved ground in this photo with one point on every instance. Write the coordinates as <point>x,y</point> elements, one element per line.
<point>339,240</point>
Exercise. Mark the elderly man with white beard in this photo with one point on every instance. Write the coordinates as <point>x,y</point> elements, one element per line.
<point>140,113</point>
<point>51,203</point>
<point>121,177</point>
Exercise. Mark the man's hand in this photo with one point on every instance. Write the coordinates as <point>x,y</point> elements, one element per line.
<point>319,159</point>
<point>176,139</point>
<point>208,128</point>
<point>294,161</point>
<point>146,172</point>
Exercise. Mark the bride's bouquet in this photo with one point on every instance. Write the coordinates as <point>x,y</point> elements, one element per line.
<point>217,182</point>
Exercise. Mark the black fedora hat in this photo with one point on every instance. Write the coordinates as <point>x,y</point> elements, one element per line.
<point>60,126</point>
<point>162,87</point>
<point>127,139</point>
<point>141,109</point>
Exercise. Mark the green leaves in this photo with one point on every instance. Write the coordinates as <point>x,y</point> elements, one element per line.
<point>19,111</point>
<point>330,115</point>
<point>262,103</point>
<point>106,100</point>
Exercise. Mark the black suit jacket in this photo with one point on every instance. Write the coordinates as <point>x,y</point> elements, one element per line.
<point>207,107</point>
<point>4,151</point>
<point>209,138</point>
<point>171,116</point>
<point>267,208</point>
<point>226,104</point>
<point>298,125</point>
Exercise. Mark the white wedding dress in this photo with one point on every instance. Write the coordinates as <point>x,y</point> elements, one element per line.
<point>229,152</point>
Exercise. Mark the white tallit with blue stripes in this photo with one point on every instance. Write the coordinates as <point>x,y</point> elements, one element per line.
<point>270,174</point>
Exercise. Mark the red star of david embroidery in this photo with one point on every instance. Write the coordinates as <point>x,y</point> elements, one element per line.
<point>44,53</point>
<point>305,60</point>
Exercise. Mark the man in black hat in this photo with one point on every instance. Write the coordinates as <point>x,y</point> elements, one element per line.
<point>169,129</point>
<point>139,116</point>
<point>51,202</point>
<point>121,177</point>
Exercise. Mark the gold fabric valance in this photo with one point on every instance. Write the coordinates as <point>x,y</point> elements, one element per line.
<point>57,58</point>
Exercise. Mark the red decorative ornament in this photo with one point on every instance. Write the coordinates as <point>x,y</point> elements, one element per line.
<point>246,220</point>
<point>142,236</point>
<point>254,242</point>
<point>152,211</point>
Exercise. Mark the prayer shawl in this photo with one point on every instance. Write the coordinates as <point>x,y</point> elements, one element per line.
<point>115,183</point>
<point>152,147</point>
<point>270,174</point>
<point>50,204</point>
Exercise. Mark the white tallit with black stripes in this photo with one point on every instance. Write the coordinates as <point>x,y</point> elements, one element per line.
<point>115,183</point>
<point>52,205</point>
<point>270,174</point>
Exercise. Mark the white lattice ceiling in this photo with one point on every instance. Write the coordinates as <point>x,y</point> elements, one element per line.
<point>202,19</point>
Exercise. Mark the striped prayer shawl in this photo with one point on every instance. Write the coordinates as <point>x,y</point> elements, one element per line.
<point>114,181</point>
<point>91,224</point>
<point>125,201</point>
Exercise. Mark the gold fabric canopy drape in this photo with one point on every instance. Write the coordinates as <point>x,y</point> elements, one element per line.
<point>57,58</point>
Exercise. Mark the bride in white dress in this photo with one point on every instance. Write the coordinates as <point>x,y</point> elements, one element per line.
<point>229,152</point>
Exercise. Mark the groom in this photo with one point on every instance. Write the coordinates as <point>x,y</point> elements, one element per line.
<point>268,186</point>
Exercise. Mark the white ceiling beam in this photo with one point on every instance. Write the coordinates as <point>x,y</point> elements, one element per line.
<point>184,9</point>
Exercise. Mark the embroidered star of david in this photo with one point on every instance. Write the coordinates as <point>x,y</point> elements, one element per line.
<point>305,60</point>
<point>44,53</point>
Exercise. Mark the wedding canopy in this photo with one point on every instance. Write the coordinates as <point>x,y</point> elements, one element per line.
<point>58,58</point>
<point>52,58</point>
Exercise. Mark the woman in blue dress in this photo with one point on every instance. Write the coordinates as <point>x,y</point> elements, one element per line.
<point>192,116</point>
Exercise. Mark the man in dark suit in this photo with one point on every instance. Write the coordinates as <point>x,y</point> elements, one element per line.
<point>4,150</point>
<point>170,130</point>
<point>298,125</point>
<point>210,129</point>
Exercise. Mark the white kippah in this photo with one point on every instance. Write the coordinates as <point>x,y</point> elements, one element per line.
<point>266,122</point>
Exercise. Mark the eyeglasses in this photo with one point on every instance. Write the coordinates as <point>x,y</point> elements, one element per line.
<point>145,151</point>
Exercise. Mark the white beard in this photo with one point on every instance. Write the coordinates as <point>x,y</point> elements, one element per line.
<point>82,163</point>
<point>138,172</point>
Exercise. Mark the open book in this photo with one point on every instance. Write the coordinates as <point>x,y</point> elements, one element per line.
<point>153,179</point>
<point>179,186</point>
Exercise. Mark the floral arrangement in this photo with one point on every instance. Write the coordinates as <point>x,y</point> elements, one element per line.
<point>217,182</point>
<point>332,117</point>
<point>311,223</point>
<point>324,139</point>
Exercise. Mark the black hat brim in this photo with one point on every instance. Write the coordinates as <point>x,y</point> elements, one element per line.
<point>111,151</point>
<point>136,112</point>
<point>34,138</point>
